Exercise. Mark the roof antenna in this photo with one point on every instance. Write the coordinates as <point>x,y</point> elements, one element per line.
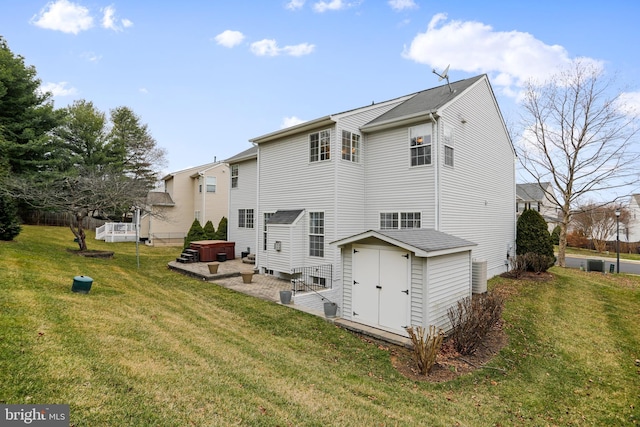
<point>444,75</point>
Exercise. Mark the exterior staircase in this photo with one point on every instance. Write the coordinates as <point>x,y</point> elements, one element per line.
<point>189,256</point>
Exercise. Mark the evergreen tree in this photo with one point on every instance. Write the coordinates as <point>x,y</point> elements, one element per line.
<point>196,232</point>
<point>9,221</point>
<point>209,231</point>
<point>222,229</point>
<point>532,235</point>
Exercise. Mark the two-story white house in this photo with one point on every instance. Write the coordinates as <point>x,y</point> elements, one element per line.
<point>633,225</point>
<point>383,209</point>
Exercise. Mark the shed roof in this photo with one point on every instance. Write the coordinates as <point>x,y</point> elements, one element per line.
<point>287,217</point>
<point>424,242</point>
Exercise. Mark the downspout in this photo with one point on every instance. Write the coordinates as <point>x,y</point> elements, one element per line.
<point>435,155</point>
<point>260,216</point>
<point>203,186</point>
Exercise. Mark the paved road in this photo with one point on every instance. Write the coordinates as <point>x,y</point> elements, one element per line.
<point>626,266</point>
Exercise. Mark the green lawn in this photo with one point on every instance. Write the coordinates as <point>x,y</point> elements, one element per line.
<point>150,347</point>
<point>592,253</point>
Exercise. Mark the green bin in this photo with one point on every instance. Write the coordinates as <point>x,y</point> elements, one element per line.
<point>82,284</point>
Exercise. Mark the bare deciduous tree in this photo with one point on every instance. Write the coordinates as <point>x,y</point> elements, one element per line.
<point>598,222</point>
<point>578,136</point>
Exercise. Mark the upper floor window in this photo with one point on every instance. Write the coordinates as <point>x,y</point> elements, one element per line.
<point>420,145</point>
<point>350,146</point>
<point>316,234</point>
<point>320,146</point>
<point>245,218</point>
<point>448,145</point>
<point>400,220</point>
<point>234,176</point>
<point>211,184</point>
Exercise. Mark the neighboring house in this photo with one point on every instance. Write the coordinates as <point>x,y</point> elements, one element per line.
<point>389,209</point>
<point>200,192</point>
<point>243,183</point>
<point>536,196</point>
<point>633,227</point>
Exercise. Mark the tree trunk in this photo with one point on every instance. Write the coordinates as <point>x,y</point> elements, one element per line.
<point>562,246</point>
<point>78,231</point>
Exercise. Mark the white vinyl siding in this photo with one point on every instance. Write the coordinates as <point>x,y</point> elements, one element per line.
<point>477,195</point>
<point>242,197</point>
<point>448,281</point>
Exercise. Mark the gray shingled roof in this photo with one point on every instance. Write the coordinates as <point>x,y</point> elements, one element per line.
<point>421,241</point>
<point>426,101</point>
<point>284,217</point>
<point>159,198</point>
<point>531,191</point>
<point>249,153</point>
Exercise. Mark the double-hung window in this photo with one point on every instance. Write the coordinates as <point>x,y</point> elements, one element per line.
<point>267,215</point>
<point>420,145</point>
<point>234,176</point>
<point>211,184</point>
<point>245,218</point>
<point>350,146</point>
<point>320,146</point>
<point>316,234</point>
<point>448,145</point>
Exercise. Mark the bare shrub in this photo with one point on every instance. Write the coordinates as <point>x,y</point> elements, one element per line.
<point>539,263</point>
<point>519,264</point>
<point>472,319</point>
<point>425,348</point>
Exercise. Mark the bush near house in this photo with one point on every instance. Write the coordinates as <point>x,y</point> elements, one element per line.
<point>222,229</point>
<point>210,231</point>
<point>196,232</point>
<point>534,242</point>
<point>472,319</point>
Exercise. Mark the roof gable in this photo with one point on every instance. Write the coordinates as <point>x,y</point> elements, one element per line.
<point>284,217</point>
<point>532,191</point>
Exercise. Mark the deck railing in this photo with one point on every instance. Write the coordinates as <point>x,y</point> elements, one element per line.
<point>115,229</point>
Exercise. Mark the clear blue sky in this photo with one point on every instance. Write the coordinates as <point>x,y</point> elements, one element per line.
<point>206,76</point>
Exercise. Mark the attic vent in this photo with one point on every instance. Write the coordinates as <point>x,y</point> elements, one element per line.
<point>479,276</point>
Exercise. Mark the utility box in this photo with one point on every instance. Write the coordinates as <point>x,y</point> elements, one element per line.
<point>595,265</point>
<point>479,276</point>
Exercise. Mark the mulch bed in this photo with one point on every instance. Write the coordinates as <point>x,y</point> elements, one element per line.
<point>92,253</point>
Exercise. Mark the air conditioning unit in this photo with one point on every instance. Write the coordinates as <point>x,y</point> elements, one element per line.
<point>479,276</point>
<point>595,265</point>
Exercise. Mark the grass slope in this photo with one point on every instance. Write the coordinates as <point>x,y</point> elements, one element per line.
<point>149,347</point>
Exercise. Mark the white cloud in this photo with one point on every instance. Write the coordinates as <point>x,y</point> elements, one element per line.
<point>511,57</point>
<point>299,49</point>
<point>287,122</point>
<point>295,4</point>
<point>323,6</point>
<point>629,103</point>
<point>229,38</point>
<point>109,20</point>
<point>269,47</point>
<point>62,15</point>
<point>58,89</point>
<point>143,90</point>
<point>265,47</point>
<point>402,4</point>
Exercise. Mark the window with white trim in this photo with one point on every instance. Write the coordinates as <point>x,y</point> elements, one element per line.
<point>245,218</point>
<point>320,146</point>
<point>420,145</point>
<point>316,234</point>
<point>388,220</point>
<point>447,139</point>
<point>350,146</point>
<point>211,184</point>
<point>234,176</point>
<point>196,215</point>
<point>400,220</point>
<point>267,215</point>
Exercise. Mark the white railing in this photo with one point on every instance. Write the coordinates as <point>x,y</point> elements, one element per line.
<point>116,232</point>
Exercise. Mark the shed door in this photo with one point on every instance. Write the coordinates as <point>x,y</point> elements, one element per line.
<point>380,288</point>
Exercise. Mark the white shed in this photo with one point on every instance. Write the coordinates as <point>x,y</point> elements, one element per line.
<point>398,278</point>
